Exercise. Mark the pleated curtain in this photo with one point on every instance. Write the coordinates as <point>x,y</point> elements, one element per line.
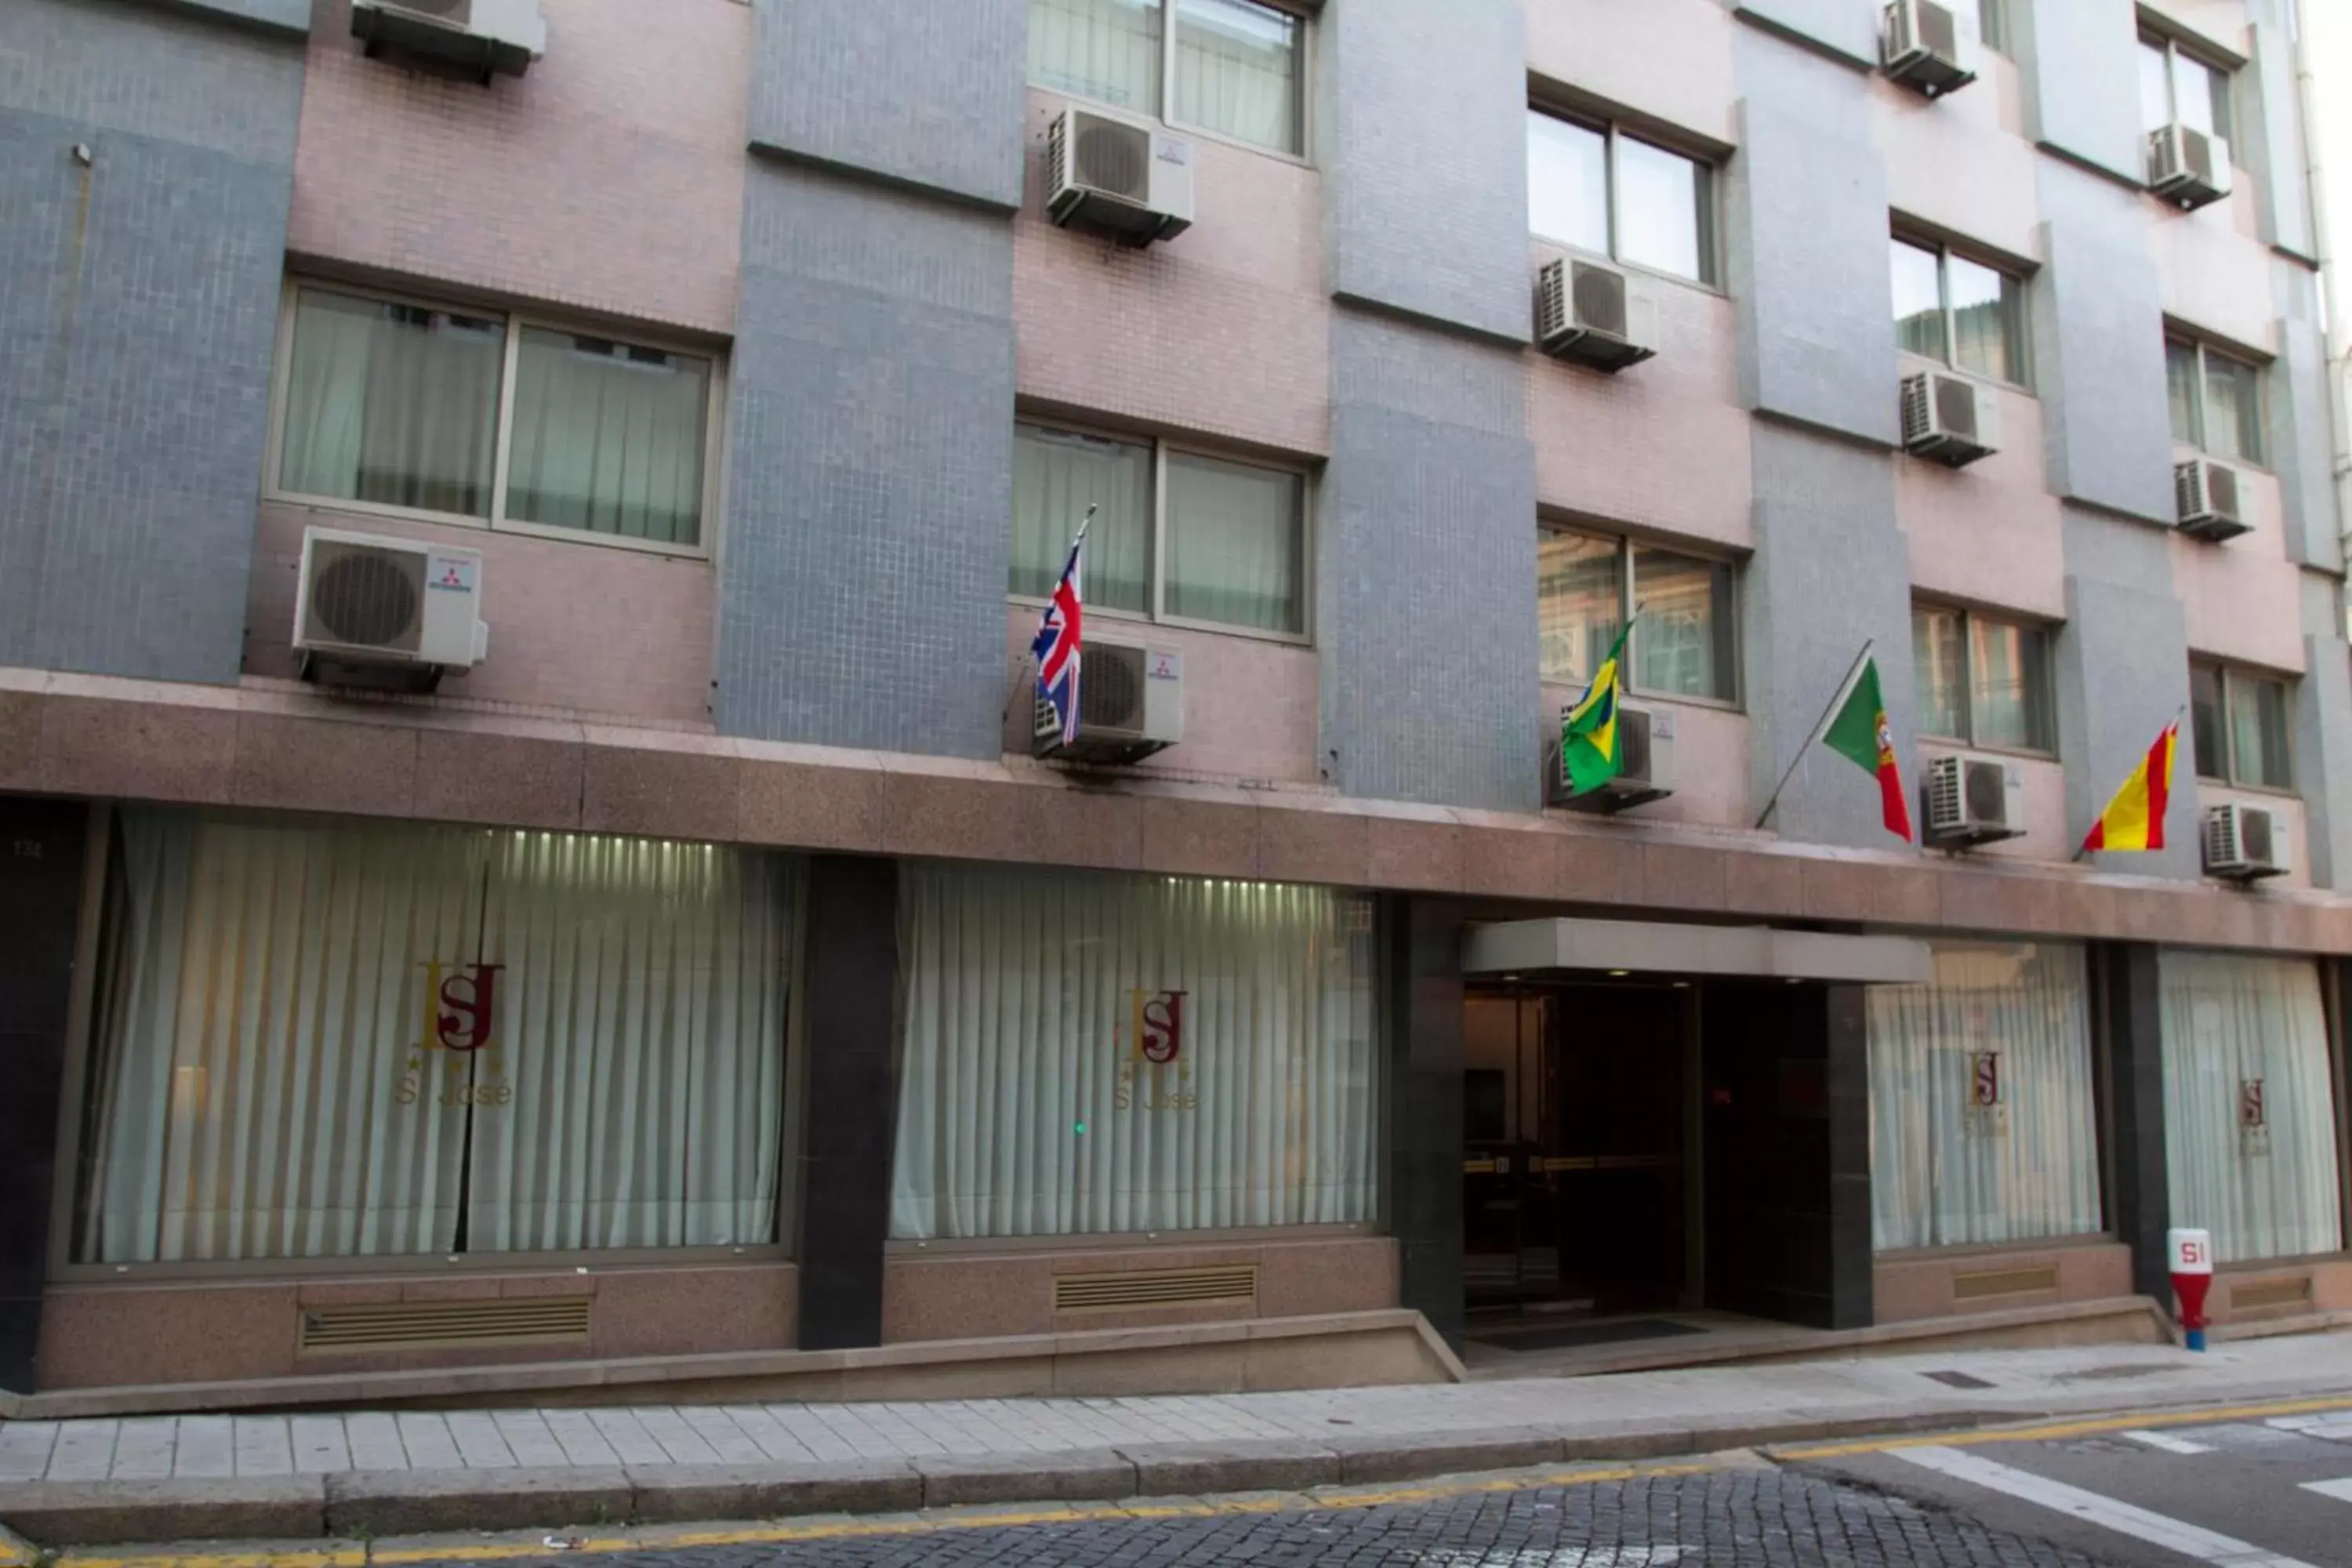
<point>1943,1175</point>
<point>1022,1110</point>
<point>261,1088</point>
<point>2230,1021</point>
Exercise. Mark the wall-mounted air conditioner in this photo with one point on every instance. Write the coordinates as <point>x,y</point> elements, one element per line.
<point>1933,47</point>
<point>1130,704</point>
<point>2212,501</point>
<point>2245,843</point>
<point>1950,418</point>
<point>1646,737</point>
<point>1120,178</point>
<point>1972,800</point>
<point>1594,314</point>
<point>2187,167</point>
<point>485,36</point>
<point>393,614</point>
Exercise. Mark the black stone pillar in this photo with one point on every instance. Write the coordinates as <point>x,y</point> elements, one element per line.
<point>2140,1200</point>
<point>42,844</point>
<point>1852,1303</point>
<point>847,996</point>
<point>1424,1101</point>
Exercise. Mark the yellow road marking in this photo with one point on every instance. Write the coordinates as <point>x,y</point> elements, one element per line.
<point>2051,1431</point>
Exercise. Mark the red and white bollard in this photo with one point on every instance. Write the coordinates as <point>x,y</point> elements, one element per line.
<point>2192,1275</point>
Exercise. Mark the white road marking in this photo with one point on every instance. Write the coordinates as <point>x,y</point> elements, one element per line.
<point>2168,1442</point>
<point>2173,1534</point>
<point>2340,1490</point>
<point>1557,1557</point>
<point>2295,1423</point>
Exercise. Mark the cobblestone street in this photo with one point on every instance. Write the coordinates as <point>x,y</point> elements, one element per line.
<point>1741,1518</point>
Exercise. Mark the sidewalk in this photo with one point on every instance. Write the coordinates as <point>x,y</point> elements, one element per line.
<point>378,1473</point>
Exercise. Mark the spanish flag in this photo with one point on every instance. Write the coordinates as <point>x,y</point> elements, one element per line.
<point>2135,819</point>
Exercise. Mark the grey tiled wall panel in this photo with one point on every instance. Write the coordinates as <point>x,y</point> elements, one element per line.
<point>288,17</point>
<point>1847,28</point>
<point>1832,571</point>
<point>2302,422</point>
<point>2097,338</point>
<point>2122,675</point>
<point>1426,571</point>
<point>1421,135</point>
<point>2081,79</point>
<point>2323,733</point>
<point>1808,245</point>
<point>2274,149</point>
<point>927,92</point>
<point>862,574</point>
<point>137,310</point>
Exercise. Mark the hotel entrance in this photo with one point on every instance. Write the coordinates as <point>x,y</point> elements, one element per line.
<point>1580,1125</point>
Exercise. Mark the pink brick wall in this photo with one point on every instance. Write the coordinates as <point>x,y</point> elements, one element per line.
<point>1987,533</point>
<point>2241,597</point>
<point>1667,59</point>
<point>610,178</point>
<point>1710,760</point>
<point>2048,835</point>
<point>1224,329</point>
<point>1958,163</point>
<point>2291,816</point>
<point>574,628</point>
<point>2212,270</point>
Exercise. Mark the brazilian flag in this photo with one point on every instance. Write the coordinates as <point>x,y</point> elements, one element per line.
<point>1589,755</point>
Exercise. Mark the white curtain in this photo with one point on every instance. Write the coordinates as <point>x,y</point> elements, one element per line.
<point>1056,475</point>
<point>269,1081</point>
<point>1103,50</point>
<point>607,437</point>
<point>1681,644</point>
<point>1237,71</point>
<point>392,403</point>
<point>1023,1106</point>
<point>2231,1023</point>
<point>1235,550</point>
<point>1947,1171</point>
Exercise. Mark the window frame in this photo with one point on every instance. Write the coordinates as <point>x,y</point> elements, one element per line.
<point>1626,545</point>
<point>2020,352</point>
<point>1612,132</point>
<point>2204,350</point>
<point>2231,675</point>
<point>1969,620</point>
<point>1298,11</point>
<point>513,322</point>
<point>1162,448</point>
<point>2172,48</point>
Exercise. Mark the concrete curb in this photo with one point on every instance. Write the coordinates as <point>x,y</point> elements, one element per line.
<point>380,1503</point>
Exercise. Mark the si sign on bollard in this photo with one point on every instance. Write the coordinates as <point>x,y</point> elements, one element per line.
<point>2192,1275</point>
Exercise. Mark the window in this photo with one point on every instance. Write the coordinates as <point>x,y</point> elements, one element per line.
<point>1982,681</point>
<point>347,1039</point>
<point>1232,68</point>
<point>2217,401</point>
<point>1603,190</point>
<point>1992,23</point>
<point>1082,1054</point>
<point>420,408</point>
<point>2178,86</point>
<point>1682,644</point>
<point>1982,1122</point>
<point>1177,535</point>
<point>1959,312</point>
<point>2249,1107</point>
<point>2241,724</point>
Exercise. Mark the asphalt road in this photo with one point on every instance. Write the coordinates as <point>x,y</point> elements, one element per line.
<point>2250,1493</point>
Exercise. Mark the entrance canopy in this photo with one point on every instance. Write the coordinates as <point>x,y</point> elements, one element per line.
<point>1635,947</point>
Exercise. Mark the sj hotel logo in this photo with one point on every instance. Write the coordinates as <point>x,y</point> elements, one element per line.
<point>460,1020</point>
<point>1155,1076</point>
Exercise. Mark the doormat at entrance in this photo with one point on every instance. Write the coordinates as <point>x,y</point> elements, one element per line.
<point>1573,1336</point>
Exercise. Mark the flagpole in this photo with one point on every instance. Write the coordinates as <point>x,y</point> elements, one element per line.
<point>1844,690</point>
<point>1022,668</point>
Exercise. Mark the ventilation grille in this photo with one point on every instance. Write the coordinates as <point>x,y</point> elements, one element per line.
<point>1988,791</point>
<point>1940,32</point>
<point>1112,158</point>
<point>1145,1288</point>
<point>2004,1282</point>
<point>2254,837</point>
<point>362,595</point>
<point>2221,489</point>
<point>2255,1295</point>
<point>1634,742</point>
<point>1955,406</point>
<point>447,1325</point>
<point>1600,299</point>
<point>1110,688</point>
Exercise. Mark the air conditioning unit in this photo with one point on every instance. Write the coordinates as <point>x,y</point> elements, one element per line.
<point>1931,46</point>
<point>2244,843</point>
<point>1119,177</point>
<point>2211,507</point>
<point>1646,736</point>
<point>1950,418</point>
<point>485,36</point>
<point>1130,704</point>
<point>2187,167</point>
<point>1594,314</point>
<point>392,614</point>
<point>1973,800</point>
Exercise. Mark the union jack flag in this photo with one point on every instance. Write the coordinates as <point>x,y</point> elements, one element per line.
<point>1057,645</point>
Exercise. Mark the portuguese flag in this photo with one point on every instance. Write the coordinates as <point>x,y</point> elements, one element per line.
<point>2135,819</point>
<point>1859,732</point>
